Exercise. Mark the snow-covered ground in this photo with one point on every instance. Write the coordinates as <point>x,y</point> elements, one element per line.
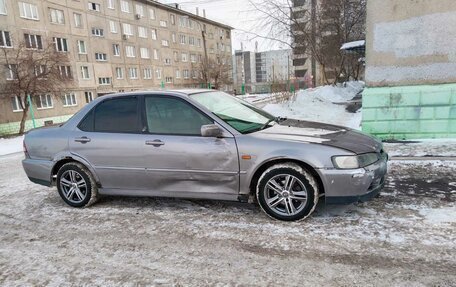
<point>10,145</point>
<point>406,237</point>
<point>322,104</point>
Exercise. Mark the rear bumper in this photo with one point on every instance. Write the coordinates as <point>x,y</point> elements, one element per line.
<point>38,171</point>
<point>348,186</point>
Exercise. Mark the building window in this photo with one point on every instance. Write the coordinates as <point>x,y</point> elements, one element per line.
<point>178,75</point>
<point>173,37</point>
<point>193,58</point>
<point>16,104</point>
<point>113,26</point>
<point>184,57</point>
<point>158,72</point>
<point>28,11</point>
<point>65,72</point>
<point>191,41</point>
<point>43,102</point>
<point>2,7</point>
<point>82,49</point>
<point>98,32</point>
<point>104,81</point>
<point>155,54</point>
<point>154,34</point>
<point>11,72</point>
<point>69,100</point>
<point>88,96</point>
<point>142,32</point>
<point>119,73</point>
<point>127,29</point>
<point>85,72</point>
<point>57,16</point>
<point>40,70</point>
<point>152,13</point>
<point>176,56</point>
<point>94,6</point>
<point>167,61</point>
<point>198,42</point>
<point>124,6</point>
<point>60,44</point>
<point>139,10</point>
<point>165,43</point>
<point>172,18</point>
<point>168,79</point>
<point>112,4</point>
<point>182,39</point>
<point>144,53</point>
<point>133,73</point>
<point>5,39</point>
<point>116,49</point>
<point>147,73</point>
<point>33,41</point>
<point>130,51</point>
<point>186,74</point>
<point>77,20</point>
<point>101,57</point>
<point>163,23</point>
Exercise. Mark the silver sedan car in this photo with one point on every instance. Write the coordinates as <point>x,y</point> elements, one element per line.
<point>203,144</point>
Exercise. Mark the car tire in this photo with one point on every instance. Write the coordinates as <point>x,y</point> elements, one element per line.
<point>287,192</point>
<point>76,185</point>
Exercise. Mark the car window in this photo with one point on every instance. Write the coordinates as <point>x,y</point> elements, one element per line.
<point>116,115</point>
<point>172,116</point>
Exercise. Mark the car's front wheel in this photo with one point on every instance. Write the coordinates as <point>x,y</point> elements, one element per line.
<point>76,185</point>
<point>287,192</point>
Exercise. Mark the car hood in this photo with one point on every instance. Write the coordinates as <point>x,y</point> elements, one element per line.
<point>325,134</point>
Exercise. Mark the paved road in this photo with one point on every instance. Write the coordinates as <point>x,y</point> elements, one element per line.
<point>405,237</point>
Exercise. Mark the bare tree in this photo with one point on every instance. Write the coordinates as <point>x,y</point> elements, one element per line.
<point>317,30</point>
<point>216,70</point>
<point>33,72</point>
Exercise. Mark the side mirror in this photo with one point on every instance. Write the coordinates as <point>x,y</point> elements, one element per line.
<point>211,130</point>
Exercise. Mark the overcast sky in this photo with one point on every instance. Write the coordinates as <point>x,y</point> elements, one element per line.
<point>239,14</point>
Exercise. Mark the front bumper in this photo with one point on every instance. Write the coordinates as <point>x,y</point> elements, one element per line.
<point>348,186</point>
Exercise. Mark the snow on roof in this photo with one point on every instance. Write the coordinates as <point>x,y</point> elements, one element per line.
<point>354,44</point>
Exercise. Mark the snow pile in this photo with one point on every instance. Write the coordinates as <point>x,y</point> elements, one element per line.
<point>421,148</point>
<point>10,145</point>
<point>323,104</point>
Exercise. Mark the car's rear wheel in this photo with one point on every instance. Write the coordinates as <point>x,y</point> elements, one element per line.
<point>76,185</point>
<point>287,192</point>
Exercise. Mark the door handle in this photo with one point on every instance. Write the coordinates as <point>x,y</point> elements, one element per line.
<point>155,143</point>
<point>82,140</point>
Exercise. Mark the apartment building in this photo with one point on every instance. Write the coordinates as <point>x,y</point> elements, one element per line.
<point>257,71</point>
<point>113,45</point>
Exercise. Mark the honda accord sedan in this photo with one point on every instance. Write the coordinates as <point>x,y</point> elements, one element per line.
<point>203,144</point>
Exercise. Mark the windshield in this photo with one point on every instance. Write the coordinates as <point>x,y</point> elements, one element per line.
<point>242,116</point>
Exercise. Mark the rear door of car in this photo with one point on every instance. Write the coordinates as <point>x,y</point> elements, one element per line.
<point>179,161</point>
<point>110,138</point>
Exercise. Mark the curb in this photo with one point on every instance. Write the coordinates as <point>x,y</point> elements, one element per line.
<point>423,158</point>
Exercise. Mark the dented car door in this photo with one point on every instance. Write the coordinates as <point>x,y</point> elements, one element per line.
<point>178,159</point>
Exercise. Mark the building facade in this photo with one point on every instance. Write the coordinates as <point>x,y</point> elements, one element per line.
<point>410,69</point>
<point>113,45</point>
<point>257,71</point>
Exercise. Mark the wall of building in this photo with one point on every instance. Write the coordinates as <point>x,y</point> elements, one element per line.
<point>170,68</point>
<point>410,69</point>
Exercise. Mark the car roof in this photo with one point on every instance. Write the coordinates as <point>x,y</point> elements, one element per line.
<point>181,92</point>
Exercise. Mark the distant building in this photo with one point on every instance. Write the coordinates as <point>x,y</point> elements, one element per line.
<point>258,71</point>
<point>113,45</point>
<point>410,69</point>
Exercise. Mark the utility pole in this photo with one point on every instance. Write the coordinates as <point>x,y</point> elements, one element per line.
<point>313,20</point>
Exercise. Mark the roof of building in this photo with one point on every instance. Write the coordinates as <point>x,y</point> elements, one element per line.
<point>172,8</point>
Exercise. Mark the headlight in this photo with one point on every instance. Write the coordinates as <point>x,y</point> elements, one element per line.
<point>345,162</point>
<point>367,159</point>
<point>354,161</point>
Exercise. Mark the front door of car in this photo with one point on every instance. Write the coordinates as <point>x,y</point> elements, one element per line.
<point>179,161</point>
<point>110,139</point>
